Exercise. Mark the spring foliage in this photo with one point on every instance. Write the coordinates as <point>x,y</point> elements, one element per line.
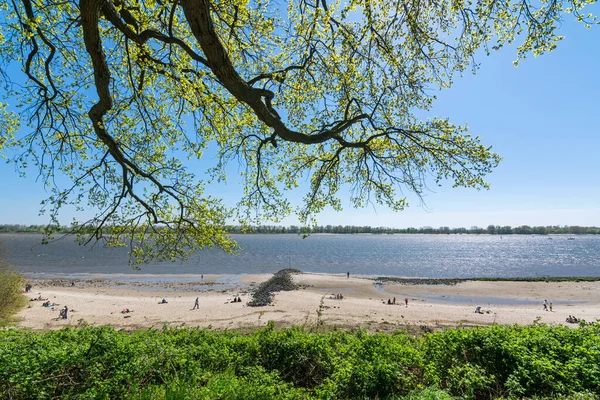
<point>482,363</point>
<point>11,293</point>
<point>116,95</point>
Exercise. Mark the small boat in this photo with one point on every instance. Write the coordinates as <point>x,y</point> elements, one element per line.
<point>570,238</point>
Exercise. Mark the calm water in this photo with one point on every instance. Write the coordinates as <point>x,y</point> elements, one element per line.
<point>434,256</point>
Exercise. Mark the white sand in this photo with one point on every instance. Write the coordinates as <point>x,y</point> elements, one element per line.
<point>364,305</point>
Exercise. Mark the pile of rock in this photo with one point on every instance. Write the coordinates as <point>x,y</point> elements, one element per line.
<point>281,281</point>
<point>60,282</point>
<point>418,281</point>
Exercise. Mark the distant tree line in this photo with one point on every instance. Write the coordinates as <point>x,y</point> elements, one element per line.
<point>16,228</point>
<point>491,229</point>
<point>350,229</point>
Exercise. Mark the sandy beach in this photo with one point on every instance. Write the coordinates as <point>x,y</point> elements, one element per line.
<point>101,301</point>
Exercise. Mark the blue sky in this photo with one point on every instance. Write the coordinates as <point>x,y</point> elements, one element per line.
<point>542,117</point>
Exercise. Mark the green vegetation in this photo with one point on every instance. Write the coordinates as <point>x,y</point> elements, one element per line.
<point>492,230</point>
<point>306,103</point>
<point>16,228</point>
<point>11,294</point>
<point>349,229</point>
<point>536,361</point>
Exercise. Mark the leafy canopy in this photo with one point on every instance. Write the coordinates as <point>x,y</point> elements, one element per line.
<point>116,94</point>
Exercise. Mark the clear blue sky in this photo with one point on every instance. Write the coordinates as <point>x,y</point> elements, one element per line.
<point>543,118</point>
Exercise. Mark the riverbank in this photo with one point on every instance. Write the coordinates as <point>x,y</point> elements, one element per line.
<point>102,300</point>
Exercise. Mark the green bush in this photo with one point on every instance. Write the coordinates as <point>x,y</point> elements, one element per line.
<point>483,363</point>
<point>254,384</point>
<point>11,294</point>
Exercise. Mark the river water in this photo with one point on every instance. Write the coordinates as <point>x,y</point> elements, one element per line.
<point>430,256</point>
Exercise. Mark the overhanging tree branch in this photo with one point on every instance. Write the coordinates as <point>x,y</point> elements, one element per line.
<point>327,96</point>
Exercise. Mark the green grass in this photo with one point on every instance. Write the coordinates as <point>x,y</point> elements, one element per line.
<point>11,295</point>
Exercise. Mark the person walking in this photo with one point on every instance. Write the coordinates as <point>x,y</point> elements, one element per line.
<point>196,304</point>
<point>406,301</point>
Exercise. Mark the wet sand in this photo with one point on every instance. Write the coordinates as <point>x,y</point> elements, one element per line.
<point>100,300</point>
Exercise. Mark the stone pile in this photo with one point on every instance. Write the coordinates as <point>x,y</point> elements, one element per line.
<point>281,281</point>
<point>418,281</point>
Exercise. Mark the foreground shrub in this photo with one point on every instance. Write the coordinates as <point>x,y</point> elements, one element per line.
<point>253,384</point>
<point>483,363</point>
<point>520,361</point>
<point>11,294</point>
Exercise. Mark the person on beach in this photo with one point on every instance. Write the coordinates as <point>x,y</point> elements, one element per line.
<point>196,304</point>
<point>406,301</point>
<point>572,320</point>
<point>545,305</point>
<point>348,274</point>
<point>64,312</point>
<point>394,301</point>
<point>550,307</point>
